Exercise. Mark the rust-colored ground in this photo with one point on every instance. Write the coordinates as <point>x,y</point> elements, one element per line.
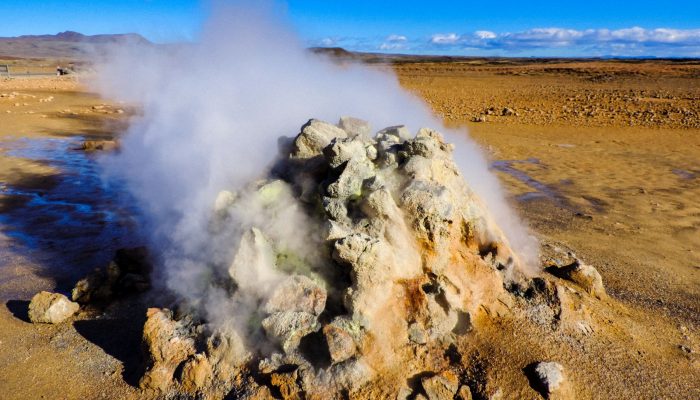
<point>613,174</point>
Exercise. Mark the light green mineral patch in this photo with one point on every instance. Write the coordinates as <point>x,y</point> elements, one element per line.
<point>271,192</point>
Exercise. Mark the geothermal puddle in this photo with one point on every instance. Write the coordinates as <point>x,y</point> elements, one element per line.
<point>542,190</point>
<point>70,222</point>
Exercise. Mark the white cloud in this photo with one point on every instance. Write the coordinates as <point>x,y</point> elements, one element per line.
<point>485,35</point>
<point>628,41</point>
<point>396,38</point>
<point>327,42</point>
<point>633,41</point>
<point>450,38</point>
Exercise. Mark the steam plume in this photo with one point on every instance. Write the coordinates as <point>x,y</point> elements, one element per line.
<point>212,115</point>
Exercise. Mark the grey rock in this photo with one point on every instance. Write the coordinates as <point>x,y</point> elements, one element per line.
<point>254,254</point>
<point>441,387</point>
<point>341,335</point>
<point>287,328</point>
<point>585,276</point>
<point>297,294</point>
<point>51,308</point>
<point>350,182</point>
<point>341,151</point>
<point>314,137</point>
<point>417,334</point>
<point>550,376</point>
<point>399,132</point>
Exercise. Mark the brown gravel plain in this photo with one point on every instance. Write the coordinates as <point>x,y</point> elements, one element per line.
<point>604,161</point>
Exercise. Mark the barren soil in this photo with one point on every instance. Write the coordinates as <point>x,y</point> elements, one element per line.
<point>603,162</point>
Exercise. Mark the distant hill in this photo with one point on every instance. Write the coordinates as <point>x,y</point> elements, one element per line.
<point>64,45</point>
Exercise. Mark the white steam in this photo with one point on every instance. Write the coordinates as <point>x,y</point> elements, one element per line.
<point>212,116</point>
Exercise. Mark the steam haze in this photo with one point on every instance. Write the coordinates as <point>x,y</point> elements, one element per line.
<point>212,116</point>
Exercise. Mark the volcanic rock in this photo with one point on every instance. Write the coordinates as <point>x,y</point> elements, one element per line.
<point>168,344</point>
<point>583,275</point>
<point>51,308</point>
<point>196,373</point>
<point>340,336</point>
<point>441,387</point>
<point>129,272</point>
<point>388,255</point>
<point>549,376</point>
<point>314,137</point>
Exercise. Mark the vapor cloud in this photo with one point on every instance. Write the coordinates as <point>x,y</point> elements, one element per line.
<point>212,116</point>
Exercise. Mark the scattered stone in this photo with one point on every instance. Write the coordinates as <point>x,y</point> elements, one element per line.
<point>441,387</point>
<point>583,275</point>
<point>104,145</point>
<point>51,308</point>
<point>507,112</point>
<point>548,377</point>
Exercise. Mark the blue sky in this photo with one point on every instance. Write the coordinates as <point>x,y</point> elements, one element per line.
<point>510,28</point>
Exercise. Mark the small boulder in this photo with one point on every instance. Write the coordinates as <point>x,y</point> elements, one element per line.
<point>314,137</point>
<point>287,385</point>
<point>340,337</point>
<point>547,377</point>
<point>297,293</point>
<point>583,275</point>
<point>51,308</point>
<point>441,387</point>
<point>507,112</point>
<point>287,328</point>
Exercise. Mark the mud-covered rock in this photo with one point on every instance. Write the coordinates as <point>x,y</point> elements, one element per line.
<point>103,145</point>
<point>51,308</point>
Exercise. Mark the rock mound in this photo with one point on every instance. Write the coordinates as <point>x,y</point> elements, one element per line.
<point>387,258</point>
